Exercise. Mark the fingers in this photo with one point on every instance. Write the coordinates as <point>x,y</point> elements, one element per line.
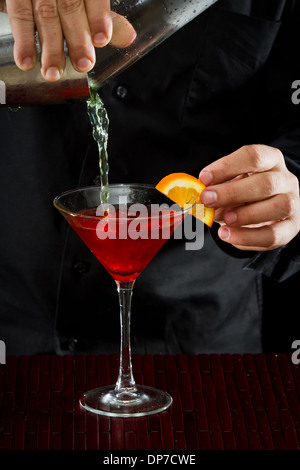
<point>100,21</point>
<point>250,158</point>
<point>278,207</point>
<point>21,18</point>
<point>83,24</point>
<point>76,30</point>
<point>123,32</point>
<point>255,196</point>
<point>266,237</point>
<point>48,24</point>
<point>257,187</point>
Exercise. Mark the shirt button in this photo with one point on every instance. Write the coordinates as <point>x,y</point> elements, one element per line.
<point>96,180</point>
<point>72,343</point>
<point>121,92</point>
<point>81,267</point>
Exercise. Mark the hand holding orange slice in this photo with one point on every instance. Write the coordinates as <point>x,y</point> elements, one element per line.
<point>186,189</point>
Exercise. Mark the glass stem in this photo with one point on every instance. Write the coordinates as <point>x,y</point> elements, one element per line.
<point>125,380</point>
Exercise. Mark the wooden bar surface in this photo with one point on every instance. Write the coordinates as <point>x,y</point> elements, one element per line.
<point>230,402</point>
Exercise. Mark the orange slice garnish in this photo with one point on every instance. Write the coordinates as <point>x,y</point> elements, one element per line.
<point>185,189</point>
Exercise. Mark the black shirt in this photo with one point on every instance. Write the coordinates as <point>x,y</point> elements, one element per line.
<point>221,82</point>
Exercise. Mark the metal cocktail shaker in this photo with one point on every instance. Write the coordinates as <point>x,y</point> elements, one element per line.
<point>153,21</point>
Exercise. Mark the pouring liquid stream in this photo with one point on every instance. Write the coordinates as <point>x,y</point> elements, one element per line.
<point>100,122</point>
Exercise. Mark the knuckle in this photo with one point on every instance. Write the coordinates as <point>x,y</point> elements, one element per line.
<point>22,14</point>
<point>274,236</point>
<point>289,205</point>
<point>46,10</point>
<point>70,6</point>
<point>280,161</point>
<point>270,184</point>
<point>255,155</point>
<point>294,182</point>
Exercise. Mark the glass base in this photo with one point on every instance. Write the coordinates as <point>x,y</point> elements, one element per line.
<point>138,401</point>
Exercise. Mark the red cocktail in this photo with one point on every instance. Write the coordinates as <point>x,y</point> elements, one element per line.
<point>124,235</point>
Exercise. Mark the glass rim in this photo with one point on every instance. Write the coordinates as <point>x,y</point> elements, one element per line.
<point>181,211</point>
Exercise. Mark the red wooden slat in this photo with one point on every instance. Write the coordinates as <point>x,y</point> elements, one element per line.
<point>227,362</point>
<point>19,431</point>
<point>240,373</point>
<point>43,431</point>
<point>34,374</point>
<point>137,362</point>
<point>239,429</point>
<point>153,422</point>
<point>130,440</point>
<point>21,392</point>
<point>91,363</point>
<point>92,432</point>
<point>57,373</point>
<point>154,440</point>
<point>80,416</point>
<point>68,364</point>
<point>286,372</point>
<point>104,423</point>
<point>295,368</point>
<point>45,363</point>
<point>278,440</point>
<point>159,362</point>
<point>55,419</point>
<point>161,381</point>
<point>105,441</point>
<point>176,412</point>
<point>255,391</point>
<point>142,437</point>
<point>294,403</point>
<point>203,441</point>
<point>204,362</point>
<point>229,441</point>
<point>181,362</point>
<point>11,374</point>
<point>68,431</point>
<point>80,373</point>
<point>91,381</point>
<point>265,433</point>
<point>262,372</point>
<point>148,370</point>
<point>117,434</point>
<point>289,432</point>
<point>248,411</point>
<point>129,425</point>
<point>232,394</point>
<point>186,391</point>
<point>217,372</point>
<point>167,436</point>
<point>200,412</point>
<point>224,411</point>
<point>191,434</point>
<point>216,437</point>
<point>179,440</point>
<point>55,442</point>
<point>32,413</point>
<point>80,441</point>
<point>254,440</point>
<point>195,375</point>
<point>68,393</point>
<point>272,410</point>
<point>208,387</point>
<point>45,393</point>
<point>23,364</point>
<point>172,375</point>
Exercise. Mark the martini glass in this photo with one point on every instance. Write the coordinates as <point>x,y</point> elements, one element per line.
<point>124,234</point>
